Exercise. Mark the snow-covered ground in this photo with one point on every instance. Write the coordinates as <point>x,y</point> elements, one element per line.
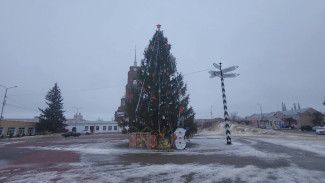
<point>206,159</point>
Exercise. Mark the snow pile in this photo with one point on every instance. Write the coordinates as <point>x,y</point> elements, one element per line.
<point>219,128</point>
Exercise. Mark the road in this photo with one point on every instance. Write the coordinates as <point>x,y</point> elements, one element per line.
<point>107,158</point>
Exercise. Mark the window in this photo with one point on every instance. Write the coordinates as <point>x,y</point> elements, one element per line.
<point>109,127</point>
<point>21,131</point>
<point>104,128</point>
<point>1,130</point>
<point>30,131</point>
<point>11,131</point>
<point>115,127</point>
<point>97,128</point>
<point>86,127</point>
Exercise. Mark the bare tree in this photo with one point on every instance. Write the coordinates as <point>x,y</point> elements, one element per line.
<point>284,108</point>
<point>234,116</point>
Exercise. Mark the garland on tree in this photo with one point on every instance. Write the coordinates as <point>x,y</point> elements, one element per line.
<point>159,99</point>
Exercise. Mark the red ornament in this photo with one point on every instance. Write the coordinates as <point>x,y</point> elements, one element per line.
<point>131,95</point>
<point>154,97</point>
<point>151,47</point>
<point>167,73</point>
<point>181,109</point>
<point>179,91</point>
<point>153,74</point>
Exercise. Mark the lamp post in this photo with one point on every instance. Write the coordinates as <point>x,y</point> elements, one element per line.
<point>4,98</point>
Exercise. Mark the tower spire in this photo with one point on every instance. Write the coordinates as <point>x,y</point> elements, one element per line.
<point>135,56</point>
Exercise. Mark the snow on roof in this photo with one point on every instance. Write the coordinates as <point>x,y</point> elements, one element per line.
<point>21,119</point>
<point>285,113</point>
<point>259,116</point>
<point>294,112</point>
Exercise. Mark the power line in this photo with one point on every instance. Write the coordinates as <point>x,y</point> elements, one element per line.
<point>196,72</point>
<point>28,109</point>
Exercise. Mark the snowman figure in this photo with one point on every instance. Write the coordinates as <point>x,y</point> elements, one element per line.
<point>180,141</point>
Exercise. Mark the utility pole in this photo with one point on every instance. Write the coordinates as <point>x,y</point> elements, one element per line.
<point>221,74</point>
<point>4,99</point>
<point>258,124</point>
<point>211,111</point>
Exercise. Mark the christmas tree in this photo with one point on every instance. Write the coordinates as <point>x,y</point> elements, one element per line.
<point>158,101</point>
<point>52,119</point>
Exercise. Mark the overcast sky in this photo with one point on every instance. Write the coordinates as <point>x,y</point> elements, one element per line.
<point>88,46</point>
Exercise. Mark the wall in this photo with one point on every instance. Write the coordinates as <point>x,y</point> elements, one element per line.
<point>94,127</point>
<point>6,125</point>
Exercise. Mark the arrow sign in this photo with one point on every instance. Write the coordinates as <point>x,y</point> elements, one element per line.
<point>218,74</point>
<point>232,75</point>
<point>217,66</point>
<point>229,69</point>
<point>214,73</point>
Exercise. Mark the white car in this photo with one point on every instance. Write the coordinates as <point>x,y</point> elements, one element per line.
<point>320,131</point>
<point>85,132</point>
<point>315,127</point>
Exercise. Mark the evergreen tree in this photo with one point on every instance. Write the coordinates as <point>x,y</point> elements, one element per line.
<point>159,99</point>
<point>52,119</point>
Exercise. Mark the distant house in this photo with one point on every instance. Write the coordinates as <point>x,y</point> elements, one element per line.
<point>93,126</point>
<point>18,127</point>
<point>277,120</point>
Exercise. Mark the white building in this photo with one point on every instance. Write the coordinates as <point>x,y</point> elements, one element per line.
<point>93,126</point>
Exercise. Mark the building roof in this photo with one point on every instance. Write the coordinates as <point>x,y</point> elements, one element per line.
<point>264,115</point>
<point>34,120</point>
<point>92,122</point>
<point>294,112</point>
<point>271,114</point>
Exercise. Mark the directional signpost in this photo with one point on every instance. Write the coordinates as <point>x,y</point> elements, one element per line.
<point>221,74</point>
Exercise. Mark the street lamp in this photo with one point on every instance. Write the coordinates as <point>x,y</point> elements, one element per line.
<point>4,98</point>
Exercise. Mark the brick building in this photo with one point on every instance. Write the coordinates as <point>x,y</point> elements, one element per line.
<point>132,80</point>
<point>275,120</point>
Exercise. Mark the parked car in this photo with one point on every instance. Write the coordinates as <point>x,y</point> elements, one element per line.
<point>315,127</point>
<point>320,131</point>
<point>306,128</point>
<point>71,134</point>
<point>85,132</point>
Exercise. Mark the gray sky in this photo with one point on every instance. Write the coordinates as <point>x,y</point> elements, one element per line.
<point>88,46</point>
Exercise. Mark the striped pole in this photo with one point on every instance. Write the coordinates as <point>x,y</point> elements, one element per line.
<point>222,75</point>
<point>225,108</point>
